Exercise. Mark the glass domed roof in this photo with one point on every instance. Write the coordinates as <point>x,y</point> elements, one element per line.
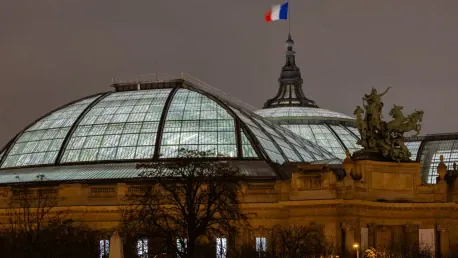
<point>308,113</point>
<point>153,120</point>
<point>333,131</point>
<point>428,149</point>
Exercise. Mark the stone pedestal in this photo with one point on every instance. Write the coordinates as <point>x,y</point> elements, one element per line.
<point>368,155</point>
<point>383,181</point>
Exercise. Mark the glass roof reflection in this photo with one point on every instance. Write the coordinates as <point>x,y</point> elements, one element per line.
<point>155,123</point>
<point>430,157</point>
<point>40,143</point>
<point>348,138</point>
<point>121,126</point>
<point>196,122</point>
<point>413,148</point>
<point>266,142</point>
<point>247,148</point>
<point>335,138</point>
<point>302,112</point>
<point>331,130</point>
<point>428,149</point>
<point>281,144</point>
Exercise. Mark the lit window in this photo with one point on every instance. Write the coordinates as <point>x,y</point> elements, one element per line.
<point>104,248</point>
<point>221,247</point>
<point>261,244</point>
<point>181,245</point>
<point>142,247</point>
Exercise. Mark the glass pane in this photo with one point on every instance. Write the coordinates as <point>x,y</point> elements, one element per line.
<point>221,247</point>
<point>288,142</point>
<point>413,148</point>
<point>287,148</point>
<point>320,135</point>
<point>347,138</point>
<point>104,248</point>
<point>269,147</point>
<point>181,245</point>
<point>196,122</point>
<point>261,244</point>
<point>123,125</point>
<point>302,112</point>
<point>355,131</point>
<point>430,155</point>
<point>40,144</point>
<point>247,148</point>
<point>142,247</point>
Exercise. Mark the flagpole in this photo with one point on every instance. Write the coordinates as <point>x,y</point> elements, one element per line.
<point>289,17</point>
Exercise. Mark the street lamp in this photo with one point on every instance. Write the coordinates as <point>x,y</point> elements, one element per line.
<point>356,247</point>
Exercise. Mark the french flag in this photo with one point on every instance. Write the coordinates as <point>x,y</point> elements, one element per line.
<point>277,12</point>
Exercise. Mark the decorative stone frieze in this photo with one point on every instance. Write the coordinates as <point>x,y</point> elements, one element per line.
<point>372,227</point>
<point>348,226</point>
<point>409,228</point>
<point>445,227</point>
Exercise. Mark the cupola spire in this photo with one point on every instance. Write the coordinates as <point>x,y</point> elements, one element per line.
<point>290,92</point>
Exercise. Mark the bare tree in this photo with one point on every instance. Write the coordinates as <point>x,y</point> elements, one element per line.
<point>34,228</point>
<point>192,200</point>
<point>289,242</point>
<point>300,241</point>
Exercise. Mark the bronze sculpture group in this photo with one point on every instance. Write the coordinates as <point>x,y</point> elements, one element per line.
<point>384,139</point>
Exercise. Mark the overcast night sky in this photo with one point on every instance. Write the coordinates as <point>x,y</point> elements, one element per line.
<point>55,51</point>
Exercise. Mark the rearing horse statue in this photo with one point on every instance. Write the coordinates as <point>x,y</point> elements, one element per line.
<point>404,124</point>
<point>398,117</point>
<point>413,122</point>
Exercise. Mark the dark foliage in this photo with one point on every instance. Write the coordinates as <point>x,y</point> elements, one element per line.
<point>400,250</point>
<point>289,242</point>
<point>34,228</point>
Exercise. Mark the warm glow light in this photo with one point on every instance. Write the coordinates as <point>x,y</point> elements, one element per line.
<point>356,246</point>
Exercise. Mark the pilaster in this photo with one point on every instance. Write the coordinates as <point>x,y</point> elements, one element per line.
<point>349,228</point>
<point>116,250</point>
<point>444,239</point>
<point>411,234</point>
<point>372,228</point>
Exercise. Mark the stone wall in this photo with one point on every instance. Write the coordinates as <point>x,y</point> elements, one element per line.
<point>376,204</point>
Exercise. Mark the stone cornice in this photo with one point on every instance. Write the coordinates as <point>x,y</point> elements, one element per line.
<point>338,204</point>
<point>369,204</point>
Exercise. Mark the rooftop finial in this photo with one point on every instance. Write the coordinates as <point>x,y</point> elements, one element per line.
<point>289,42</point>
<point>290,93</point>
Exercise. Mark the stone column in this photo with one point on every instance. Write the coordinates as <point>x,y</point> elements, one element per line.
<point>330,232</point>
<point>411,235</point>
<point>444,244</point>
<point>116,250</point>
<point>349,228</point>
<point>372,234</point>
<point>384,237</point>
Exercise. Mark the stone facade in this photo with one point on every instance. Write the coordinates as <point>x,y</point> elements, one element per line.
<point>374,204</point>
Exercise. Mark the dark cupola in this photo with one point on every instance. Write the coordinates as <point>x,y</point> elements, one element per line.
<point>290,93</point>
